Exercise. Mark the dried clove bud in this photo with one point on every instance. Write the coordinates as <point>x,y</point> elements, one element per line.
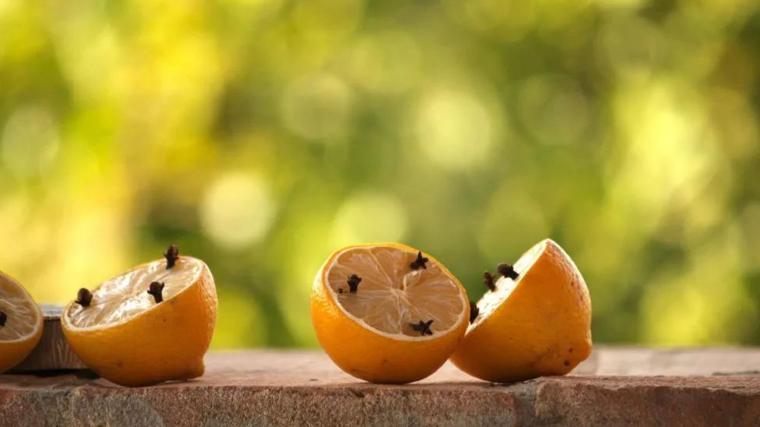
<point>353,283</point>
<point>157,289</point>
<point>474,311</point>
<point>172,255</point>
<point>489,281</point>
<point>84,297</point>
<point>419,262</point>
<point>507,270</point>
<point>422,327</point>
<point>3,318</point>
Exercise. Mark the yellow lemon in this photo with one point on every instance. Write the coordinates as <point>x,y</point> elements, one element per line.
<point>536,321</point>
<point>20,323</point>
<point>387,313</point>
<point>148,325</point>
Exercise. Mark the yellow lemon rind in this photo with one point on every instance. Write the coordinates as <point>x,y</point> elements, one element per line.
<point>381,357</point>
<point>166,342</point>
<point>520,339</point>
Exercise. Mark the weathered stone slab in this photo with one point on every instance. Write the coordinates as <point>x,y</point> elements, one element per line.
<point>616,386</point>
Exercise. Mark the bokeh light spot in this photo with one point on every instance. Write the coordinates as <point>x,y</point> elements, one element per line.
<point>513,223</point>
<point>237,210</point>
<point>29,142</point>
<point>454,129</point>
<point>698,303</point>
<point>369,217</point>
<point>750,222</point>
<point>553,109</point>
<point>328,19</point>
<point>668,158</point>
<point>387,62</point>
<point>240,323</point>
<point>623,56</point>
<point>508,19</point>
<point>317,107</point>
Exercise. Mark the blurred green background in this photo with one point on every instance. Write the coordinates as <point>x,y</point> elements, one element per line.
<point>261,135</point>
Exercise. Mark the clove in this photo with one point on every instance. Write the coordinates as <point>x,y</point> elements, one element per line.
<point>172,255</point>
<point>353,283</point>
<point>507,270</point>
<point>3,318</point>
<point>422,327</point>
<point>488,279</point>
<point>156,289</point>
<point>419,262</point>
<point>84,297</point>
<point>474,312</point>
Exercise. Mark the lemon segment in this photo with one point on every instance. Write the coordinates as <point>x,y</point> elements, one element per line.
<point>392,296</point>
<point>22,323</point>
<point>123,297</point>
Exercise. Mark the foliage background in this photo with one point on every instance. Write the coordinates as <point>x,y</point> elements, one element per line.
<point>260,135</point>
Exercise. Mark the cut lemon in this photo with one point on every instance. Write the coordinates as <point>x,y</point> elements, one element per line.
<point>387,313</point>
<point>20,323</point>
<point>149,325</point>
<point>536,321</point>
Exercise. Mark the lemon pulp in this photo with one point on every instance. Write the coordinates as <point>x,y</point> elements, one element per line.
<point>392,296</point>
<point>125,296</point>
<point>22,313</point>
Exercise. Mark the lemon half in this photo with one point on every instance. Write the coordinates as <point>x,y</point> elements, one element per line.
<point>387,313</point>
<point>132,336</point>
<point>538,323</point>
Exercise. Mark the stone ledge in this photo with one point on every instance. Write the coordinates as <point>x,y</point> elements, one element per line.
<point>615,386</point>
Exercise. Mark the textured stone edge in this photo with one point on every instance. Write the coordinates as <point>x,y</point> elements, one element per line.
<point>600,401</point>
<point>671,401</point>
<point>235,405</point>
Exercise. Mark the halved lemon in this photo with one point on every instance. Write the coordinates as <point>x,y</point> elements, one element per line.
<point>387,313</point>
<point>20,323</point>
<point>536,321</point>
<point>148,325</point>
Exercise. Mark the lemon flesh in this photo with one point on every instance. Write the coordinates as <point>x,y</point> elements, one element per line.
<point>368,333</point>
<point>392,296</point>
<point>22,328</point>
<point>23,314</point>
<point>505,285</point>
<point>123,297</point>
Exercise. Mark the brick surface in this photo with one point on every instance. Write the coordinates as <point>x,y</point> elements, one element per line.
<point>616,386</point>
